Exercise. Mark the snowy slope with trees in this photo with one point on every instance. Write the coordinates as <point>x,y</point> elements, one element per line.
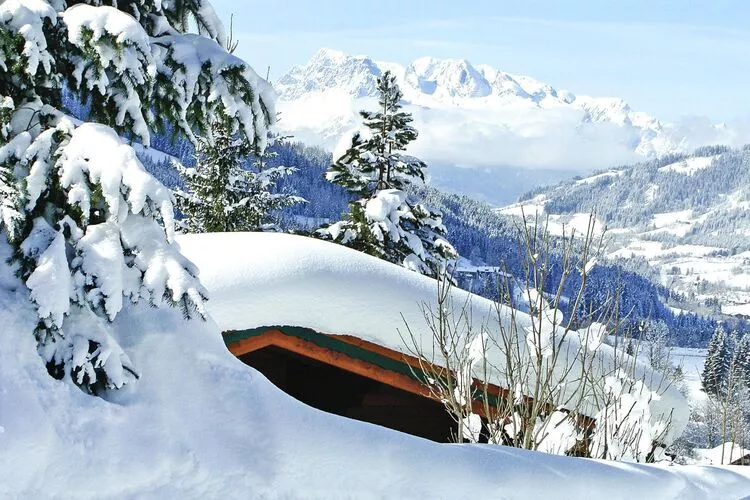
<point>686,215</point>
<point>484,238</point>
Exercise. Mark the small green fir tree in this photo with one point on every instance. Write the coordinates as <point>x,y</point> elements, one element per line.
<point>386,218</point>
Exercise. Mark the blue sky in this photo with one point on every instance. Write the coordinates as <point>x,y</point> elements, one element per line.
<point>669,58</point>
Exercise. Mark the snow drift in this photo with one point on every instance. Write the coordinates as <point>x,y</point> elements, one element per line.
<point>200,424</point>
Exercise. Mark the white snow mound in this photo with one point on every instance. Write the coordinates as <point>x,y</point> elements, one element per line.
<point>200,424</point>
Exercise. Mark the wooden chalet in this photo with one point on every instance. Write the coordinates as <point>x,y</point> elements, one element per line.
<point>349,376</point>
<point>346,376</point>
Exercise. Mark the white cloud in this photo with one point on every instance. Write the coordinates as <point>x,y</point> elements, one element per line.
<point>529,138</point>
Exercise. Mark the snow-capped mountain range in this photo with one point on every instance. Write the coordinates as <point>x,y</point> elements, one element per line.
<point>479,116</point>
<point>455,83</point>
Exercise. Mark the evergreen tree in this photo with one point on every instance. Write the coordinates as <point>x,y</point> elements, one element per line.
<point>353,171</point>
<point>718,359</point>
<point>223,196</point>
<point>9,191</point>
<point>629,349</point>
<point>267,199</point>
<point>388,220</point>
<point>6,110</point>
<point>92,231</point>
<point>742,361</point>
<point>678,375</point>
<point>656,335</point>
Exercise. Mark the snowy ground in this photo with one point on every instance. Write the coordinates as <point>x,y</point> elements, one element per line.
<point>689,166</point>
<point>594,178</point>
<point>691,360</point>
<point>736,309</point>
<point>200,424</point>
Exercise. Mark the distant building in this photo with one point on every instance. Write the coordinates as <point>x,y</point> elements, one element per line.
<point>726,454</point>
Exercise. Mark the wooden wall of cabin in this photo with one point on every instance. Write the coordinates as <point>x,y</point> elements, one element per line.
<point>337,391</point>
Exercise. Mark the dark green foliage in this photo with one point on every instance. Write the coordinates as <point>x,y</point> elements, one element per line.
<point>215,185</point>
<point>716,369</point>
<point>365,241</point>
<point>351,172</point>
<point>378,173</point>
<point>378,162</point>
<point>391,132</point>
<point>741,361</point>
<point>225,192</point>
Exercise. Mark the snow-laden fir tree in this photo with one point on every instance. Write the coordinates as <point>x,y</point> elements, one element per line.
<point>268,199</point>
<point>718,360</point>
<point>387,219</point>
<point>656,335</point>
<point>92,231</point>
<point>226,191</point>
<point>742,361</point>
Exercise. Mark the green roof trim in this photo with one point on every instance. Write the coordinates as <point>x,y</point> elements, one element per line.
<point>334,344</point>
<point>328,342</point>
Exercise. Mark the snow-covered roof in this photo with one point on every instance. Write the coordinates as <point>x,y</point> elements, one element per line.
<point>265,279</point>
<point>724,454</point>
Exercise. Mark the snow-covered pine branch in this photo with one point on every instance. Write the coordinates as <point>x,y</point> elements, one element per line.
<point>391,226</point>
<point>98,233</point>
<point>92,231</point>
<point>134,67</point>
<point>112,66</point>
<point>22,25</point>
<point>198,81</point>
<point>9,192</point>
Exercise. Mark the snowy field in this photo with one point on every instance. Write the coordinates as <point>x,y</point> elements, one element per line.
<point>678,223</point>
<point>689,166</point>
<point>200,424</point>
<point>597,177</point>
<point>691,361</point>
<point>736,309</point>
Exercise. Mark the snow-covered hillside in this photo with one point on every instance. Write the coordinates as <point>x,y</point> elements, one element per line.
<point>687,215</point>
<point>479,116</point>
<point>200,424</point>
